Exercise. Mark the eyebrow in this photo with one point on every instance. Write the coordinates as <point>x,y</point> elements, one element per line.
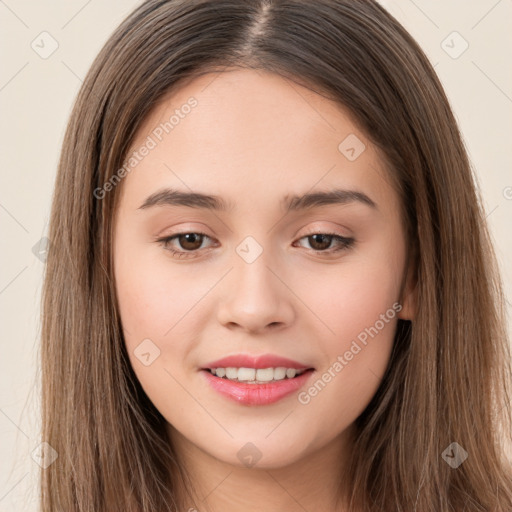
<point>173,197</point>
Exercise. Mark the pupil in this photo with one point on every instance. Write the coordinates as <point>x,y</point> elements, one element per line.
<point>189,239</point>
<point>326,237</point>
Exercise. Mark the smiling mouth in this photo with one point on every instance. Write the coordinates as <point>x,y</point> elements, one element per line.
<point>257,375</point>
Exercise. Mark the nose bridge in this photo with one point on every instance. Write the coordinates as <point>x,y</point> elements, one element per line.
<point>253,278</point>
<point>256,297</point>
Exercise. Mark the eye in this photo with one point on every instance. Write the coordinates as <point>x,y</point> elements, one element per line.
<point>320,242</point>
<point>191,242</point>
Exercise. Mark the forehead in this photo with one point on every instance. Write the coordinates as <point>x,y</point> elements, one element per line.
<point>252,137</point>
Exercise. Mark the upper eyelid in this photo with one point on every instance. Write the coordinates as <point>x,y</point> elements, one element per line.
<point>309,233</point>
<point>312,230</point>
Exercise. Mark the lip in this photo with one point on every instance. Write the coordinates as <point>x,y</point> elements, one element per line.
<point>258,362</point>
<point>256,394</point>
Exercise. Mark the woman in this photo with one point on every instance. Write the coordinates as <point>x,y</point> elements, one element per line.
<point>336,339</point>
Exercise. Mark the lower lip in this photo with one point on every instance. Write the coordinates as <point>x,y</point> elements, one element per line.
<point>256,394</point>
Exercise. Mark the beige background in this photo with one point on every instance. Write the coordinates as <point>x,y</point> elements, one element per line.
<point>36,95</point>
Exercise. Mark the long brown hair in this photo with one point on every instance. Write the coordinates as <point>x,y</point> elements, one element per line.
<point>448,380</point>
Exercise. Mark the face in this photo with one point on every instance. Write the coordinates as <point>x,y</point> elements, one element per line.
<point>257,274</point>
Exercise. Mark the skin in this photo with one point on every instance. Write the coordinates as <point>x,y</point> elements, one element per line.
<point>253,138</point>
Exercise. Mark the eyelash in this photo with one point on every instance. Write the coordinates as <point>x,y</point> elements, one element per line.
<point>346,243</point>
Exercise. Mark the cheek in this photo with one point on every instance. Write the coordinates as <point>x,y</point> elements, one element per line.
<point>354,297</point>
<point>156,309</point>
<point>151,299</point>
<point>153,292</point>
<point>360,308</point>
<point>144,305</point>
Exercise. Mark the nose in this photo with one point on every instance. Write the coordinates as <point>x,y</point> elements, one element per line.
<point>256,297</point>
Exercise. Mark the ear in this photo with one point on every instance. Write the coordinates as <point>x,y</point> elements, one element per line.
<point>409,296</point>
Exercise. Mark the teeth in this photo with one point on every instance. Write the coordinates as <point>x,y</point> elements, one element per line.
<point>231,373</point>
<point>246,373</point>
<point>290,373</point>
<point>279,373</point>
<point>255,376</point>
<point>262,374</point>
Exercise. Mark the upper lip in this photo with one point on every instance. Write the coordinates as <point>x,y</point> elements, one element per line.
<point>258,362</point>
